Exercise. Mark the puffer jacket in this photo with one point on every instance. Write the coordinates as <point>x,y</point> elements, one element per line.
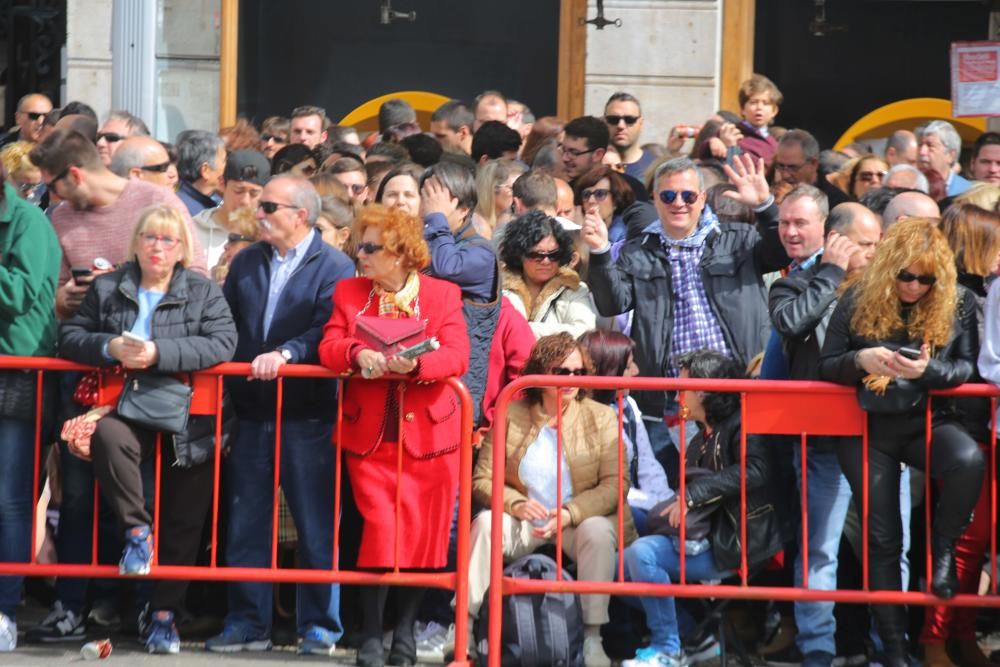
<point>732,263</point>
<point>564,304</point>
<point>590,447</point>
<point>720,452</point>
<point>192,327</point>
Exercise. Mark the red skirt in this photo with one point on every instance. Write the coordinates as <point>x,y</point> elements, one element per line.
<point>428,492</point>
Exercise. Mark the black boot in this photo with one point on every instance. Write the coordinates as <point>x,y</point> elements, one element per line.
<point>890,621</point>
<point>944,578</point>
<point>371,653</point>
<point>403,652</point>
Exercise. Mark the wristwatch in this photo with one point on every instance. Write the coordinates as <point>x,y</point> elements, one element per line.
<point>286,355</point>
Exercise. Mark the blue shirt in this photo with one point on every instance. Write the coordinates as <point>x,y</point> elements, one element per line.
<point>282,269</point>
<point>638,168</point>
<point>148,301</point>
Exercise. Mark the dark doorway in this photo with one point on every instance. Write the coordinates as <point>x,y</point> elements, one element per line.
<point>338,55</point>
<point>890,50</point>
<point>32,34</point>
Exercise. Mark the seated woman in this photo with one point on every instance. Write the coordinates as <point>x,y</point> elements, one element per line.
<point>536,251</point>
<point>716,448</point>
<point>903,328</point>
<point>613,355</point>
<point>423,440</point>
<point>590,484</point>
<point>178,321</point>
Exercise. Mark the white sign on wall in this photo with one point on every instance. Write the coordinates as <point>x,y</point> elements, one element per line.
<point>975,78</point>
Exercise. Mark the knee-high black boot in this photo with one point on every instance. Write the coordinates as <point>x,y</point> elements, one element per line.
<point>404,644</point>
<point>371,653</point>
<point>890,621</point>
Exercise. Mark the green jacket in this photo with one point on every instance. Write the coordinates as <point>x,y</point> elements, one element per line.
<point>29,270</point>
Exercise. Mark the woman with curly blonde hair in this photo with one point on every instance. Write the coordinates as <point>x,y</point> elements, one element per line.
<point>906,327</point>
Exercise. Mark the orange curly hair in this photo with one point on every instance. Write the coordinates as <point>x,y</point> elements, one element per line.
<point>877,314</point>
<point>402,234</point>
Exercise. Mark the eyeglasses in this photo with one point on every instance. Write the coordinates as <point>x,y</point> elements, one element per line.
<point>536,256</point>
<point>907,277</point>
<point>35,115</point>
<point>781,166</point>
<point>574,152</point>
<point>158,168</point>
<point>869,176</point>
<point>111,137</point>
<point>569,371</point>
<point>629,120</point>
<point>168,242</point>
<point>51,185</point>
<point>273,137</point>
<point>269,207</point>
<point>25,188</point>
<point>600,194</point>
<point>356,188</point>
<point>370,248</point>
<point>503,187</point>
<point>238,238</point>
<point>670,196</point>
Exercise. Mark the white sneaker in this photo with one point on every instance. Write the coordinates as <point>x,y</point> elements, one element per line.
<point>650,657</point>
<point>593,653</point>
<point>434,642</point>
<point>8,634</point>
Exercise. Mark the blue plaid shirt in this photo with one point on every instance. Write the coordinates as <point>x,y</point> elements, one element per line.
<point>695,325</point>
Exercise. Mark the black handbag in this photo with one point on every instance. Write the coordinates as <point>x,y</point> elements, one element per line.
<point>902,396</point>
<point>155,402</point>
<point>697,520</point>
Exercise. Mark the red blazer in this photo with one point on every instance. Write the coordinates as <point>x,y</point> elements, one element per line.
<point>431,414</point>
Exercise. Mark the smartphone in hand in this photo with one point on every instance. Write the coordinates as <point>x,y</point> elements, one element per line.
<point>910,353</point>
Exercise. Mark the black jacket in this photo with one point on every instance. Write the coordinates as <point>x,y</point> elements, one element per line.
<point>721,452</point>
<point>951,365</point>
<point>801,305</point>
<point>734,259</point>
<point>192,327</point>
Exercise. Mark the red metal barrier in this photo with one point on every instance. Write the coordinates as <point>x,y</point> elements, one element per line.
<point>768,407</point>
<point>207,400</point>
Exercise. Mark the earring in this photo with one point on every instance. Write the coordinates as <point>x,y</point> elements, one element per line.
<point>397,262</point>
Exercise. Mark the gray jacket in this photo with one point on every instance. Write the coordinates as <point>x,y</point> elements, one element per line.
<point>734,259</point>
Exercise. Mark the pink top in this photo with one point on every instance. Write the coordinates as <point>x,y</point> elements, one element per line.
<point>106,231</point>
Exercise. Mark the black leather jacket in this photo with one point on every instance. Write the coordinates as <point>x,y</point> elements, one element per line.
<point>722,454</point>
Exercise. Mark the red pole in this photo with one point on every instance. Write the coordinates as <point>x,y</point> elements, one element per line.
<point>277,474</point>
<point>464,527</point>
<point>216,474</point>
<point>33,556</point>
<point>400,390</point>
<point>864,505</point>
<point>621,483</point>
<point>337,475</point>
<point>744,570</point>
<point>156,499</point>
<point>682,488</point>
<point>805,512</point>
<point>559,490</point>
<point>927,490</point>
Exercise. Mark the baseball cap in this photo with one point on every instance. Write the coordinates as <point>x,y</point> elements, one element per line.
<point>249,166</point>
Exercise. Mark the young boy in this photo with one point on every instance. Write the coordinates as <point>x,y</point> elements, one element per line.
<point>759,102</point>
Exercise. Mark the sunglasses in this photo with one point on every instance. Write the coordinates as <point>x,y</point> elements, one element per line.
<point>629,120</point>
<point>543,256</point>
<point>273,137</point>
<point>51,185</point>
<point>907,277</point>
<point>111,137</point>
<point>237,238</point>
<point>869,176</point>
<point>35,115</point>
<point>356,188</point>
<point>600,194</point>
<point>370,248</point>
<point>270,207</point>
<point>158,168</point>
<point>569,371</point>
<point>670,196</point>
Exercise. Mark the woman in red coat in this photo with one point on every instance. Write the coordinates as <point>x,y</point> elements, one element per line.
<point>379,414</point>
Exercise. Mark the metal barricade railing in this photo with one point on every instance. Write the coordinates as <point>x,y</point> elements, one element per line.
<point>207,400</point>
<point>767,407</point>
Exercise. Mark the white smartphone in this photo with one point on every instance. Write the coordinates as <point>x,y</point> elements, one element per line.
<point>133,337</point>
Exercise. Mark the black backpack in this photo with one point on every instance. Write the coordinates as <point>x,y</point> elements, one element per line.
<point>538,630</point>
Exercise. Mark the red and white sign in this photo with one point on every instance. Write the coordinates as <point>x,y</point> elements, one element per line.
<point>975,78</point>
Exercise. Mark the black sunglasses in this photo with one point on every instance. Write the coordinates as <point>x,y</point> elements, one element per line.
<point>236,238</point>
<point>111,137</point>
<point>907,277</point>
<point>542,256</point>
<point>51,185</point>
<point>158,168</point>
<point>270,207</point>
<point>277,139</point>
<point>369,248</point>
<point>669,196</point>
<point>569,371</point>
<point>356,188</point>
<point>600,194</point>
<point>629,120</point>
<point>35,115</point>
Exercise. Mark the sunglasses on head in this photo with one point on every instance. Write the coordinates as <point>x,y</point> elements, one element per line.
<point>370,248</point>
<point>907,277</point>
<point>543,256</point>
<point>687,196</point>
<point>276,138</point>
<point>237,238</point>
<point>629,120</point>
<point>111,137</point>
<point>569,371</point>
<point>158,168</point>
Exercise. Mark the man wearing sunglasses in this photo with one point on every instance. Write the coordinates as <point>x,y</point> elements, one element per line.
<point>691,282</point>
<point>624,118</point>
<point>119,126</point>
<point>30,116</point>
<point>246,174</point>
<point>143,158</point>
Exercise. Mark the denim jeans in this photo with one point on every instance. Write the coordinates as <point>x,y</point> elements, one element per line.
<point>654,559</point>
<point>307,469</point>
<point>17,443</point>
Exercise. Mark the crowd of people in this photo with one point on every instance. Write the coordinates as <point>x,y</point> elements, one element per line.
<point>520,245</point>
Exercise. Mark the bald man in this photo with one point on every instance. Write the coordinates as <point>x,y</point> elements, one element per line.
<point>564,199</point>
<point>143,158</point>
<point>30,116</point>
<point>901,148</point>
<point>491,105</point>
<point>909,205</point>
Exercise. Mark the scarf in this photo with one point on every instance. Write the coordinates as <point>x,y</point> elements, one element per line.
<point>399,304</point>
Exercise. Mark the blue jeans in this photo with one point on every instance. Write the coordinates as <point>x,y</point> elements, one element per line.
<point>654,559</point>
<point>307,469</point>
<point>17,444</point>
